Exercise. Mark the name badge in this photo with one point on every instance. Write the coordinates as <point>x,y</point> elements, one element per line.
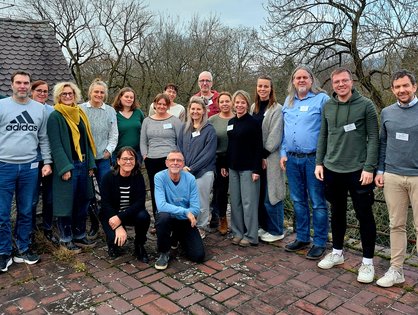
<point>350,127</point>
<point>304,108</point>
<point>210,102</point>
<point>34,165</point>
<point>195,134</point>
<point>168,126</point>
<point>402,136</point>
<point>230,127</point>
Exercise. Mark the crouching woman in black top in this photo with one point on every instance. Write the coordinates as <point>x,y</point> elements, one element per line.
<point>123,203</point>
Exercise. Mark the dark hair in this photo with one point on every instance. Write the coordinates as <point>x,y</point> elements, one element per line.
<point>172,86</point>
<point>116,103</point>
<point>341,70</point>
<point>38,83</point>
<point>21,72</point>
<point>132,152</point>
<point>403,73</point>
<point>272,95</point>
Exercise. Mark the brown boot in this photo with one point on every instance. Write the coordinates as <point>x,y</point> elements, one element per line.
<point>223,225</point>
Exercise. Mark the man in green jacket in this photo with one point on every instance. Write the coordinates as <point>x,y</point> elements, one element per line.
<point>346,159</point>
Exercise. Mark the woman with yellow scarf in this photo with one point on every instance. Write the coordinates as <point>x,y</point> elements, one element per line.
<point>73,153</point>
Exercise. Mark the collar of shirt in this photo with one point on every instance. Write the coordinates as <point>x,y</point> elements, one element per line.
<point>103,106</point>
<point>310,94</point>
<point>411,103</point>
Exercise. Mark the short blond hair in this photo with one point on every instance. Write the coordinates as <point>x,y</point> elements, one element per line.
<point>59,87</point>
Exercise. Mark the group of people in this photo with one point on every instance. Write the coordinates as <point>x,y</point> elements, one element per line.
<point>328,146</point>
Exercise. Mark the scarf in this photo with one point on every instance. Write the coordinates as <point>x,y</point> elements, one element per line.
<point>72,115</point>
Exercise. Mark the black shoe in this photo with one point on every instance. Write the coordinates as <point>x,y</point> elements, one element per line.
<point>114,252</point>
<point>295,246</point>
<point>316,252</point>
<point>141,254</point>
<point>71,247</point>
<point>5,262</point>
<point>84,242</point>
<point>214,222</point>
<point>27,257</point>
<point>162,261</point>
<point>93,233</point>
<point>51,237</point>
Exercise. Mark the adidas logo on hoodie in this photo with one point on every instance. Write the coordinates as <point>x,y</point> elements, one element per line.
<point>22,122</point>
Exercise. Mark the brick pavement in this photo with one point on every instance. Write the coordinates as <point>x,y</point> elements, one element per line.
<point>234,280</point>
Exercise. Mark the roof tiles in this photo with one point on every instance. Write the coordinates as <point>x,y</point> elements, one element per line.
<point>30,46</point>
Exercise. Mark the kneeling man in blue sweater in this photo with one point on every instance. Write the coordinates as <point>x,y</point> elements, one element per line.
<point>178,205</point>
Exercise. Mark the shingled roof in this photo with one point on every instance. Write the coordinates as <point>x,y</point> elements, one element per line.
<point>30,46</point>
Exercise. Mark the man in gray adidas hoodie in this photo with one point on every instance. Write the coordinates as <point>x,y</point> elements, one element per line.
<point>22,129</point>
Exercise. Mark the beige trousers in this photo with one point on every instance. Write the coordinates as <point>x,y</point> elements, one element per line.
<point>399,192</point>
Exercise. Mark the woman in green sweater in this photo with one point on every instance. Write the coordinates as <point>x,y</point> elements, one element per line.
<point>129,119</point>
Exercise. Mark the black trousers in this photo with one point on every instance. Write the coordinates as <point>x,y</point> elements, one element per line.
<point>141,221</point>
<point>153,166</point>
<point>181,230</point>
<point>220,192</point>
<point>337,186</point>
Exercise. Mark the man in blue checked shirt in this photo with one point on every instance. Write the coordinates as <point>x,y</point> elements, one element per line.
<point>302,122</point>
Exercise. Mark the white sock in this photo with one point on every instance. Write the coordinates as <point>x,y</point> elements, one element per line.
<point>367,261</point>
<point>339,252</point>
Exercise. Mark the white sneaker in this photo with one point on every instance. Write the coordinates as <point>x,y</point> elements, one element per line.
<point>261,232</point>
<point>331,260</point>
<point>391,277</point>
<point>365,273</point>
<point>267,237</point>
<point>202,233</point>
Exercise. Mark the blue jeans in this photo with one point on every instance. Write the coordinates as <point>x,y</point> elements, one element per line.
<point>74,227</point>
<point>43,186</point>
<point>20,179</point>
<point>303,187</point>
<point>275,216</point>
<point>102,168</point>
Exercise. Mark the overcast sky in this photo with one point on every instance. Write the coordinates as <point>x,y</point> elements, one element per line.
<point>231,12</point>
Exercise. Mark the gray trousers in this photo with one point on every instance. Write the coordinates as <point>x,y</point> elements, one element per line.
<point>244,205</point>
<point>204,185</point>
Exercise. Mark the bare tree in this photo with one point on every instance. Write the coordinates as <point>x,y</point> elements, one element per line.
<point>123,26</point>
<point>75,27</point>
<point>329,33</point>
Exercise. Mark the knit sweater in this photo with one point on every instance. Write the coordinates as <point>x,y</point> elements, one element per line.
<point>159,137</point>
<point>272,130</point>
<point>199,149</point>
<point>103,127</point>
<point>245,144</point>
<point>349,135</point>
<point>177,199</point>
<point>111,196</point>
<point>399,140</point>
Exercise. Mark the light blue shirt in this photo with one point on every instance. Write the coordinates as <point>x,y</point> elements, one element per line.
<point>302,123</point>
<point>178,200</point>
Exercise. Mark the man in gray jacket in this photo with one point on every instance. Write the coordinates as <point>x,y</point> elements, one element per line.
<point>22,129</point>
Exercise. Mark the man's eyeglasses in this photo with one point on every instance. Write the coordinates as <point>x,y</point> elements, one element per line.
<point>175,160</point>
<point>67,94</point>
<point>126,159</point>
<point>41,91</point>
<point>343,81</point>
<point>205,81</point>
